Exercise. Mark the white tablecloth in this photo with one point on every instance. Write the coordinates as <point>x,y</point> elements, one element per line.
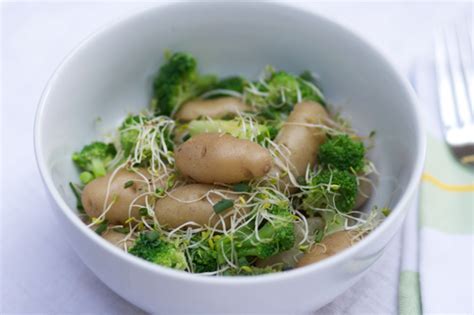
<point>40,273</point>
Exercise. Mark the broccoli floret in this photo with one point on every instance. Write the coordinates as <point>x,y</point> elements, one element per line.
<point>255,94</point>
<point>236,128</point>
<point>129,132</point>
<point>202,255</point>
<point>94,158</point>
<point>203,259</point>
<point>234,84</point>
<point>310,88</point>
<point>273,118</point>
<point>273,237</point>
<point>86,177</point>
<point>308,76</point>
<point>286,90</point>
<point>342,153</point>
<point>178,81</point>
<point>252,270</point>
<point>332,188</point>
<point>310,92</point>
<point>150,246</point>
<point>283,89</point>
<point>279,92</point>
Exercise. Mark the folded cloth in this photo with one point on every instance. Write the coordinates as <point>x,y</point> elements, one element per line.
<point>437,268</point>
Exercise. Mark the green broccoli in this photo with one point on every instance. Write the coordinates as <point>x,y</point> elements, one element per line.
<point>93,159</point>
<point>283,89</point>
<point>335,189</point>
<point>308,76</point>
<point>273,237</point>
<point>178,81</point>
<point>310,92</point>
<point>275,96</point>
<point>150,246</point>
<point>202,257</point>
<point>129,132</point>
<point>234,84</point>
<point>279,92</point>
<point>343,153</point>
<point>286,90</point>
<point>204,260</point>
<point>252,270</point>
<point>273,118</point>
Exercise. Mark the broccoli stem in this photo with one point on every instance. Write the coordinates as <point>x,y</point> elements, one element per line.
<point>86,177</point>
<point>232,127</point>
<point>98,168</point>
<point>272,238</point>
<point>265,234</point>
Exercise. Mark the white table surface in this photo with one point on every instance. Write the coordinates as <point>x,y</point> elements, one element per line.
<point>40,273</point>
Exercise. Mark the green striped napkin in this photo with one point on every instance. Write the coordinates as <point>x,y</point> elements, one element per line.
<point>437,273</point>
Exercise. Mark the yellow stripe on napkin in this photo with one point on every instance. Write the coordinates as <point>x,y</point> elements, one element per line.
<point>448,187</point>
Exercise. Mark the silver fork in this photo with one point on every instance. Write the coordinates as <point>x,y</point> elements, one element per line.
<point>454,53</point>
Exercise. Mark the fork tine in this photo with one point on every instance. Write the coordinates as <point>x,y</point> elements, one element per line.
<point>465,43</point>
<point>457,79</point>
<point>446,99</point>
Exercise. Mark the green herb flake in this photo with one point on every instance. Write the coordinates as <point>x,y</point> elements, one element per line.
<point>186,137</point>
<point>123,230</point>
<point>223,205</point>
<point>152,235</point>
<point>159,192</point>
<point>386,211</point>
<point>318,235</point>
<point>77,194</point>
<point>170,181</point>
<point>241,187</point>
<point>101,227</point>
<point>128,184</point>
<point>143,212</point>
<point>301,180</point>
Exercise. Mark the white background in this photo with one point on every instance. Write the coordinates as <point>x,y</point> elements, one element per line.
<point>40,273</point>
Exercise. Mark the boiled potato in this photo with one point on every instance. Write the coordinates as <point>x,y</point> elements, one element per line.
<point>365,190</point>
<point>189,204</point>
<point>220,158</point>
<point>116,239</point>
<point>300,144</point>
<point>94,194</point>
<point>329,246</point>
<point>213,108</point>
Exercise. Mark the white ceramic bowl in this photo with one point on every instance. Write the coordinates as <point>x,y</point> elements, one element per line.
<point>110,75</point>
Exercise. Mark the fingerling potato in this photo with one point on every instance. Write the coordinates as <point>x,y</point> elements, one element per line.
<point>300,142</point>
<point>220,158</point>
<point>213,108</point>
<point>189,203</point>
<point>116,239</point>
<point>363,194</point>
<point>329,246</point>
<point>125,187</point>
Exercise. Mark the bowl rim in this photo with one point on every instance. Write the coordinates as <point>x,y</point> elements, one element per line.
<point>70,214</point>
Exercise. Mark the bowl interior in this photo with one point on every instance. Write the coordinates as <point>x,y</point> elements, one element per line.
<point>110,75</point>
